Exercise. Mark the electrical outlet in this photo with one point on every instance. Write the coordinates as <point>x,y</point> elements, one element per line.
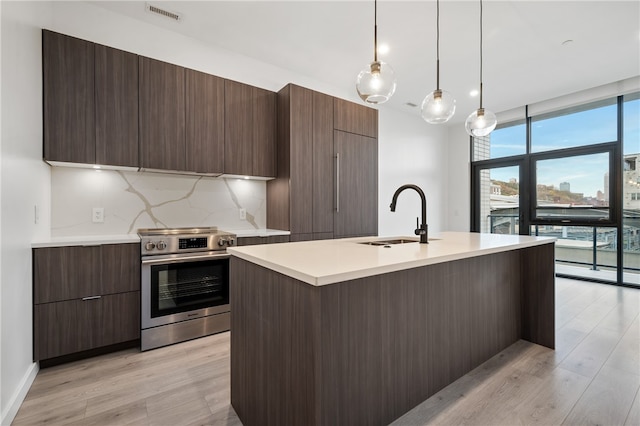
<point>243,214</point>
<point>98,215</point>
<point>36,214</point>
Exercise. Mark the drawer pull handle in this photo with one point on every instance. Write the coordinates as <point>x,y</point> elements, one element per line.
<point>91,298</point>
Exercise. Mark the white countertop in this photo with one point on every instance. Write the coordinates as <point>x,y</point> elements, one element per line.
<point>86,240</point>
<point>260,232</point>
<point>91,240</point>
<point>331,261</point>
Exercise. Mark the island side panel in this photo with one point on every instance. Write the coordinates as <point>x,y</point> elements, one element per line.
<point>273,346</point>
<point>391,341</point>
<point>538,294</point>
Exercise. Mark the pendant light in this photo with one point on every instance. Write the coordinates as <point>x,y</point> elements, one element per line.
<point>438,106</point>
<point>376,83</point>
<point>480,122</point>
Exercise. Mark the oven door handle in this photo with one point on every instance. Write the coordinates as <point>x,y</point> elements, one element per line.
<point>155,260</point>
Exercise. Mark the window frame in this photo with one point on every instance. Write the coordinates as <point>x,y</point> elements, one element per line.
<point>608,148</point>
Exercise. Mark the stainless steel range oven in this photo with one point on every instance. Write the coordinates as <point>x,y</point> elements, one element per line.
<point>185,284</point>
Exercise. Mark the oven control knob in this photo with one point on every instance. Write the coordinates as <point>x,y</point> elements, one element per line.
<point>221,242</point>
<point>150,245</point>
<point>230,242</point>
<point>161,245</point>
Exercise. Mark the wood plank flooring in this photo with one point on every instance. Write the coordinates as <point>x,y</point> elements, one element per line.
<point>593,377</point>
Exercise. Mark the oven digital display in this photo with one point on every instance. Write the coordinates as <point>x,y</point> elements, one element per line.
<point>192,243</point>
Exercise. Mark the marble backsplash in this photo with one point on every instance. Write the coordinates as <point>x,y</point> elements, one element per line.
<point>133,200</point>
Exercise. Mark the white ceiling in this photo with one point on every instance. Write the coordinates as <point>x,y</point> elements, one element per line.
<point>525,60</point>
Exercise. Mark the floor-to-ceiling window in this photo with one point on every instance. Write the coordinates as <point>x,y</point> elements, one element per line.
<point>572,174</point>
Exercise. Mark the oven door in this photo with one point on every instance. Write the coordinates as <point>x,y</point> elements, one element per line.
<point>183,286</point>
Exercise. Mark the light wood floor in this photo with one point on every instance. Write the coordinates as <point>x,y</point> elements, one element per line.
<point>593,377</point>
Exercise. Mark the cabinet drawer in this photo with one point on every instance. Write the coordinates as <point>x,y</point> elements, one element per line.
<point>65,273</point>
<point>62,328</point>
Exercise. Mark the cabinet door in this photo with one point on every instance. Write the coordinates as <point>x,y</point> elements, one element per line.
<point>162,119</point>
<point>120,266</point>
<point>354,118</point>
<point>323,163</point>
<point>356,185</point>
<point>116,103</point>
<point>238,129</point>
<point>264,133</point>
<point>64,273</point>
<point>205,122</point>
<point>68,96</point>
<point>120,321</point>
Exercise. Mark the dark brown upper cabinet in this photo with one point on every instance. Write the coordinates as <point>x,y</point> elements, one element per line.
<point>205,122</point>
<point>162,115</point>
<point>264,133</point>
<point>107,106</point>
<point>116,100</point>
<point>68,94</point>
<point>238,133</point>
<point>249,131</point>
<point>90,102</point>
<point>205,112</point>
<point>355,118</point>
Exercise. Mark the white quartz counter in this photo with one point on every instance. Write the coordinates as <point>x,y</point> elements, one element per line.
<point>91,240</point>
<point>260,232</point>
<point>331,261</point>
<point>86,240</point>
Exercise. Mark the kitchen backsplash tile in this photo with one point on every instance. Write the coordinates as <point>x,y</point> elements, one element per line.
<point>133,200</point>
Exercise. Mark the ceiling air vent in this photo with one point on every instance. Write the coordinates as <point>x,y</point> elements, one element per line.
<point>165,13</point>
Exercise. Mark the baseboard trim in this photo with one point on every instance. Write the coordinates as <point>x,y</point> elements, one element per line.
<point>18,397</point>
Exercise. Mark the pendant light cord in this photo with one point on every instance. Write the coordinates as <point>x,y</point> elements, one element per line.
<point>375,31</point>
<point>480,54</point>
<point>438,44</point>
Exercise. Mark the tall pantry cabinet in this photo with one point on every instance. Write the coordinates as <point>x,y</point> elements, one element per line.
<point>327,179</point>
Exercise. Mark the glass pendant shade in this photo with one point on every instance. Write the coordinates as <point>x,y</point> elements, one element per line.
<point>438,107</point>
<point>376,83</point>
<point>480,122</point>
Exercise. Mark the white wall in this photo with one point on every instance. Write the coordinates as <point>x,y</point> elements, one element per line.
<point>24,181</point>
<point>410,151</point>
<point>458,180</point>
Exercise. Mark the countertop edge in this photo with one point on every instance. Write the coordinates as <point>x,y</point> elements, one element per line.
<point>259,233</point>
<point>379,270</point>
<point>89,240</point>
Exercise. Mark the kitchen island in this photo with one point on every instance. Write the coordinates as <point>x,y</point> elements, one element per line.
<point>345,332</point>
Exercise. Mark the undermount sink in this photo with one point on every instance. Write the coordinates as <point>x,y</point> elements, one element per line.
<point>393,242</point>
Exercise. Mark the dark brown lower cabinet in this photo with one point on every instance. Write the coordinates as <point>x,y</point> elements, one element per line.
<point>63,328</point>
<point>85,298</point>
<point>273,239</point>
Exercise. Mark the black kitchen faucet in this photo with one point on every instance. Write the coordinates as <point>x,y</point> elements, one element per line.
<point>421,229</point>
